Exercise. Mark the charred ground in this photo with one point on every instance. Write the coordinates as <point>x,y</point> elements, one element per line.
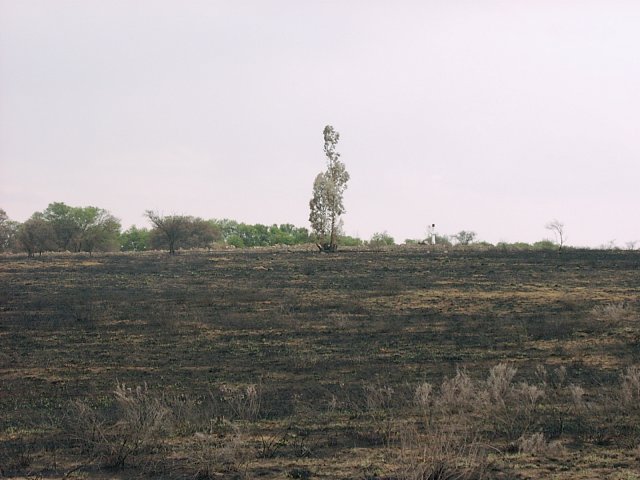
<point>335,345</point>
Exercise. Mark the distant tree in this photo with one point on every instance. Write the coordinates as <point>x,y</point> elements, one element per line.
<point>631,245</point>
<point>349,241</point>
<point>557,228</point>
<point>82,228</point>
<point>134,239</point>
<point>98,229</point>
<point>36,235</point>
<point>544,245</point>
<point>201,233</point>
<point>465,237</point>
<point>65,223</point>
<point>8,231</point>
<point>381,239</point>
<point>171,229</point>
<point>326,205</point>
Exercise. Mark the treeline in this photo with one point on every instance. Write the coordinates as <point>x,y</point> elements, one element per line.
<point>61,227</point>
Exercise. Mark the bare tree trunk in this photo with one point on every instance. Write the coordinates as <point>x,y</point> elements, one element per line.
<point>332,242</point>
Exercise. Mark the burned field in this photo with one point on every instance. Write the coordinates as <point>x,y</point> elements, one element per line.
<point>397,364</point>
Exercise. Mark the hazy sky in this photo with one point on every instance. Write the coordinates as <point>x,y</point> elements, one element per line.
<point>492,116</point>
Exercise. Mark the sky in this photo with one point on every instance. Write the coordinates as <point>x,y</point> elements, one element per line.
<point>491,116</point>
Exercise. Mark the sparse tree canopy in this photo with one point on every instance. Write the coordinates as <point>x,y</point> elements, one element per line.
<point>557,228</point>
<point>172,228</point>
<point>465,237</point>
<point>326,205</point>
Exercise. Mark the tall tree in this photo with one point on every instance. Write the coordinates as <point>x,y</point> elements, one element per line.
<point>326,205</point>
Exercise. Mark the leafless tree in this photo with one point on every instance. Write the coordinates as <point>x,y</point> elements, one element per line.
<point>557,227</point>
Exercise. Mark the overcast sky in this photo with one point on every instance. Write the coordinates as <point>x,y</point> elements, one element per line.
<point>491,116</point>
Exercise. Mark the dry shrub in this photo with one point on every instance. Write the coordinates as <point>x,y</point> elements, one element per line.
<point>245,402</point>
<point>423,396</point>
<point>445,452</point>
<point>510,408</point>
<point>379,400</point>
<point>536,444</point>
<point>630,387</point>
<point>457,393</point>
<point>499,382</point>
<point>577,396</point>
<point>378,397</point>
<point>612,312</point>
<point>137,426</point>
<point>219,451</point>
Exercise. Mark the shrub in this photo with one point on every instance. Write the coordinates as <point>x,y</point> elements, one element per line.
<point>381,240</point>
<point>444,452</point>
<point>630,386</point>
<point>138,423</point>
<point>457,393</point>
<point>612,312</point>
<point>244,401</point>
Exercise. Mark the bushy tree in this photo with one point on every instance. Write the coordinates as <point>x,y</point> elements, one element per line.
<point>99,230</point>
<point>8,232</point>
<point>169,230</point>
<point>65,223</point>
<point>134,239</point>
<point>181,231</point>
<point>244,235</point>
<point>544,245</point>
<point>82,228</point>
<point>36,235</point>
<point>326,205</point>
<point>349,241</point>
<point>201,233</point>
